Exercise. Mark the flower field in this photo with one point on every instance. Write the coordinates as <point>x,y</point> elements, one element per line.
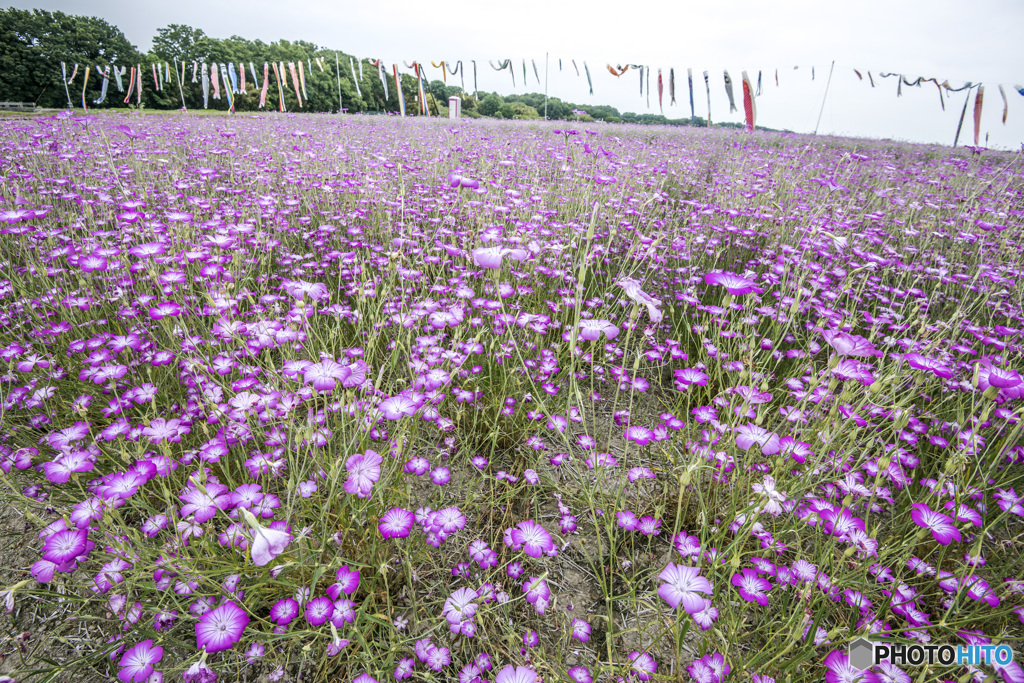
<point>372,399</point>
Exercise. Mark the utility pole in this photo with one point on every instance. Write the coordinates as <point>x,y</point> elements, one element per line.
<point>545,86</point>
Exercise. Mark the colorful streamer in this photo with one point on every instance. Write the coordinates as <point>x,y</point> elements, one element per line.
<point>672,86</point>
<point>206,86</point>
<point>589,82</point>
<point>661,89</point>
<point>227,88</point>
<point>749,104</point>
<point>215,81</point>
<point>295,82</point>
<point>398,90</point>
<point>241,78</point>
<point>279,79</point>
<point>302,80</point>
<point>85,82</point>
<point>689,80</point>
<point>131,86</point>
<point>106,82</point>
<point>1006,105</point>
<point>266,84</point>
<point>707,86</point>
<point>728,91</point>
<point>978,99</point>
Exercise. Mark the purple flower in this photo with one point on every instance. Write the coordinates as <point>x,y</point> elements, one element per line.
<point>633,291</point>
<point>137,663</point>
<point>919,362</point>
<point>750,434</point>
<point>326,374</point>
<point>284,610</point>
<point>396,523</point>
<point>580,674</point>
<point>64,546</point>
<point>534,539</point>
<point>735,284</point>
<point>840,670</point>
<point>580,630</point>
<point>319,610</point>
<point>397,407</point>
<point>853,370</point>
<point>222,628</point>
<point>681,587</point>
<point>363,472</point>
<point>942,527</point>
<point>267,543</point>
<point>490,257</point>
<point>752,588</point>
<point>847,344</point>
<point>592,328</point>
<point>644,666</point>
<point>519,674</point>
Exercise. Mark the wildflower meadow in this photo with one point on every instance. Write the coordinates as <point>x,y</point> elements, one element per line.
<point>365,398</point>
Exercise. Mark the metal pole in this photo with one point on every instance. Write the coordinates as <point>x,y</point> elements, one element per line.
<point>180,90</point>
<point>827,83</point>
<point>959,125</point>
<point>545,86</point>
<point>337,72</point>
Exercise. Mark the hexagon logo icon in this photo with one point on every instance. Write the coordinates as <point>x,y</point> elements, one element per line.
<point>862,654</point>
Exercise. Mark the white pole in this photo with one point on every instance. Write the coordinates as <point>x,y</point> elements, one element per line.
<point>545,86</point>
<point>337,72</point>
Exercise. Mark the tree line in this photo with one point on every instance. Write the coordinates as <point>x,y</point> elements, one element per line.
<point>35,42</point>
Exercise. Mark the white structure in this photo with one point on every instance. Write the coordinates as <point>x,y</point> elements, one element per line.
<point>454,107</point>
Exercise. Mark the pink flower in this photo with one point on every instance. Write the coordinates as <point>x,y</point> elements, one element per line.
<point>591,329</point>
<point>519,674</point>
<point>534,538</point>
<point>396,523</point>
<point>490,257</point>
<point>221,628</point>
<point>681,587</point>
<point>750,434</point>
<point>644,666</point>
<point>847,344</point>
<point>326,374</point>
<point>65,546</point>
<point>942,527</point>
<point>137,663</point>
<point>363,472</point>
<point>633,291</point>
<point>267,543</point>
<point>735,284</point>
<point>752,588</point>
<point>840,670</point>
<point>397,407</point>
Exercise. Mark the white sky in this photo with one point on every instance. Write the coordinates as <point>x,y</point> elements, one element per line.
<point>978,41</point>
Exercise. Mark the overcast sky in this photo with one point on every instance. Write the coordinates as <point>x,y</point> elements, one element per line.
<point>978,41</point>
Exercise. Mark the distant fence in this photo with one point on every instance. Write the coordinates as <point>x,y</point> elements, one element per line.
<point>17,106</point>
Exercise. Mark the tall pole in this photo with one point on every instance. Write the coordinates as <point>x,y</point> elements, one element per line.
<point>960,125</point>
<point>545,86</point>
<point>180,90</point>
<point>337,72</point>
<point>827,83</point>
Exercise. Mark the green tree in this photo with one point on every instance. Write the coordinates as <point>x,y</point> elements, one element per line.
<point>34,43</point>
<point>490,104</point>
